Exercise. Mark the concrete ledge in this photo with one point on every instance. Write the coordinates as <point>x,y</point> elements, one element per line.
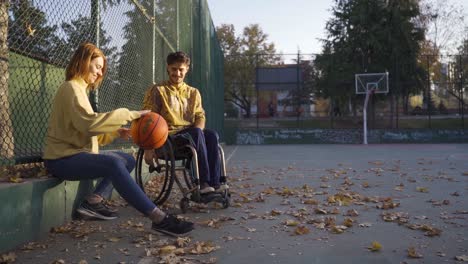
<point>31,208</point>
<point>345,136</point>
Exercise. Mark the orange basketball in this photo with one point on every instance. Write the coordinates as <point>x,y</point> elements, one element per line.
<point>150,131</point>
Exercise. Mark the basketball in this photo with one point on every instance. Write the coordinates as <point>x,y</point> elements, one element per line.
<point>150,131</point>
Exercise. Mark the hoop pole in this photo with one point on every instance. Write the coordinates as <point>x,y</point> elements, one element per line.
<point>364,114</point>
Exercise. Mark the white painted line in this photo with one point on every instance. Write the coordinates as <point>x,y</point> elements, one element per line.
<point>231,154</point>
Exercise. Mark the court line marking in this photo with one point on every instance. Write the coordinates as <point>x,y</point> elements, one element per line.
<point>231,154</point>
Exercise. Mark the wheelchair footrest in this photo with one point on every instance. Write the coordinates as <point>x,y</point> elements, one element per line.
<point>212,197</point>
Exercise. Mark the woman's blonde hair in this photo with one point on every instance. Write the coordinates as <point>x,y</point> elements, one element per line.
<point>79,63</point>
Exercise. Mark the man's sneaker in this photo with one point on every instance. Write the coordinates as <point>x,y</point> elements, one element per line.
<point>99,211</point>
<point>205,188</point>
<point>172,226</point>
<point>223,187</point>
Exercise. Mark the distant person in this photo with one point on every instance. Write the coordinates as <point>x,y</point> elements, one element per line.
<point>75,133</point>
<point>336,111</point>
<point>271,109</point>
<point>299,111</point>
<point>181,106</point>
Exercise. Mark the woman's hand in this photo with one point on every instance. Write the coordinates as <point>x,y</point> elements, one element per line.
<point>124,133</point>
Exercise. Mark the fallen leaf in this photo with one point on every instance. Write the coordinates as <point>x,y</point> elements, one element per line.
<point>183,241</point>
<point>320,211</point>
<point>352,213</point>
<point>399,187</point>
<point>203,248</point>
<point>348,222</point>
<point>8,257</point>
<point>113,239</point>
<point>422,189</point>
<point>301,230</point>
<point>291,223</point>
<point>275,212</point>
<point>167,249</point>
<point>413,254</point>
<point>15,179</point>
<point>463,258</point>
<point>311,201</point>
<point>375,246</point>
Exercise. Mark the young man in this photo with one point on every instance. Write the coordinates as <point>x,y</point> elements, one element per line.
<point>181,106</point>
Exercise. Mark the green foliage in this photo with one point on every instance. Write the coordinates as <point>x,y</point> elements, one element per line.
<point>29,25</point>
<point>135,62</point>
<point>369,36</point>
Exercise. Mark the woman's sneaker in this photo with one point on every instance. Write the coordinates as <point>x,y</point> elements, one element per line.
<point>173,226</point>
<point>99,211</point>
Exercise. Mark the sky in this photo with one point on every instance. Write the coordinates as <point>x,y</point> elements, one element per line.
<point>291,25</point>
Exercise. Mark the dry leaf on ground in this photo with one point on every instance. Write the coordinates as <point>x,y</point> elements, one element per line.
<point>375,246</point>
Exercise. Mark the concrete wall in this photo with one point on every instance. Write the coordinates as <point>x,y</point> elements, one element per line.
<point>31,208</point>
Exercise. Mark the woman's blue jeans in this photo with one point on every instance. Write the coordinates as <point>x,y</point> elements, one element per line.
<point>113,167</point>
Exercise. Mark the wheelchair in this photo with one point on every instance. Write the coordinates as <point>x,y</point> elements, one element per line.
<point>178,155</point>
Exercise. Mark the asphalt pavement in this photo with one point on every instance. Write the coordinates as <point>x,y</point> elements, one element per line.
<point>401,203</point>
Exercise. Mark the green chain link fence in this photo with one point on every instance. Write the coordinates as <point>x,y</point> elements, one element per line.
<point>38,37</point>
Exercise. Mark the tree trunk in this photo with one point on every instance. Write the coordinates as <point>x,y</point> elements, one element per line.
<point>405,104</point>
<point>6,128</point>
<point>392,111</point>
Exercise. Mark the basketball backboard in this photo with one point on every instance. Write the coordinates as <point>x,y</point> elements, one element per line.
<point>378,82</point>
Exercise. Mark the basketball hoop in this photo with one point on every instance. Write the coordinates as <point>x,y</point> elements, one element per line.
<point>368,84</point>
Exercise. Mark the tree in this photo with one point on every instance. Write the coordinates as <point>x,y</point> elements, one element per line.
<point>460,76</point>
<point>135,68</point>
<point>28,25</point>
<point>76,32</point>
<point>368,36</point>
<point>444,24</point>
<point>242,54</point>
<point>6,128</point>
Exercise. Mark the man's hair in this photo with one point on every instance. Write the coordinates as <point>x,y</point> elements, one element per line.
<point>79,63</point>
<point>178,57</point>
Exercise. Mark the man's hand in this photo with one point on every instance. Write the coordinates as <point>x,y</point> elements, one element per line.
<point>149,156</point>
<point>124,133</point>
<point>199,124</point>
<point>144,112</point>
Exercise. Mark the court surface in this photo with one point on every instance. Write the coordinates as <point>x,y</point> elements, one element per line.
<point>303,204</point>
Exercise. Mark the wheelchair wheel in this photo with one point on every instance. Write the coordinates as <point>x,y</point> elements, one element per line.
<point>157,185</point>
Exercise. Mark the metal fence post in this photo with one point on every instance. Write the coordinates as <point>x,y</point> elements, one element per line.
<point>256,88</point>
<point>177,25</point>
<point>153,44</point>
<point>461,91</point>
<point>428,98</point>
<point>96,19</point>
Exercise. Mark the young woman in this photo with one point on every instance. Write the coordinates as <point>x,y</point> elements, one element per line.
<point>75,132</point>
